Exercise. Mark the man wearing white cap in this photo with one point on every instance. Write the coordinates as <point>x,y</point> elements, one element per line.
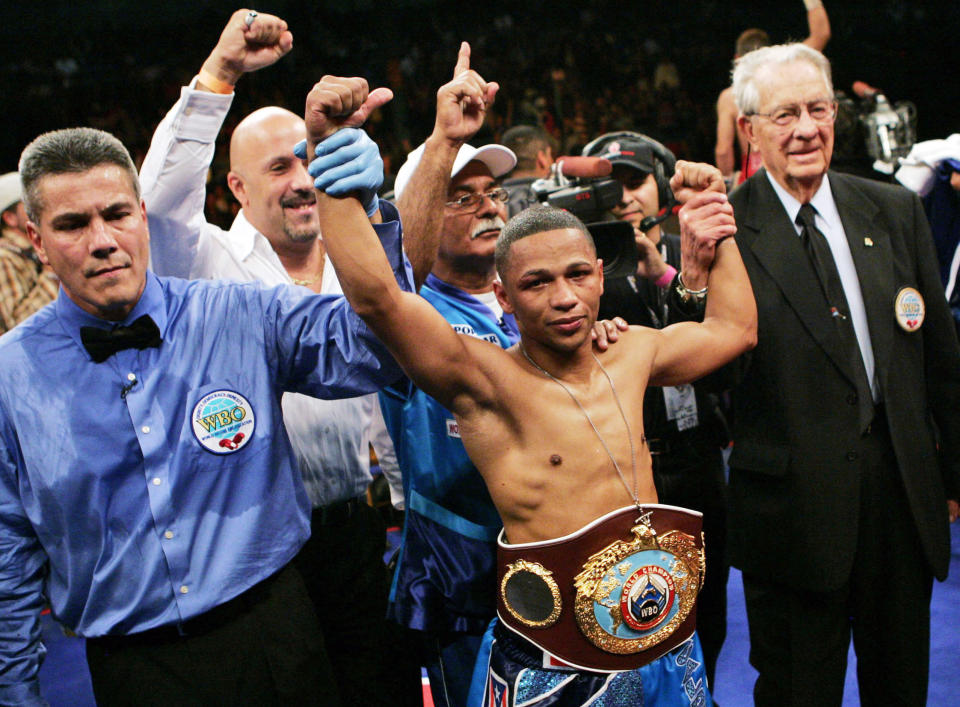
<point>451,202</point>
<point>25,284</point>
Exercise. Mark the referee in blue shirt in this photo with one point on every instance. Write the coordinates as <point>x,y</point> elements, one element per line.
<point>148,490</point>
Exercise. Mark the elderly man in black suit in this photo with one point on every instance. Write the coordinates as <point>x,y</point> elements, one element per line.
<point>847,433</point>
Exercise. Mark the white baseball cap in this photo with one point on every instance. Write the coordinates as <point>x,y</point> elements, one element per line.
<point>10,191</point>
<point>499,161</point>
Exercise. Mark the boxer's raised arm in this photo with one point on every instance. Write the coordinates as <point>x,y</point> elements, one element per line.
<point>437,359</point>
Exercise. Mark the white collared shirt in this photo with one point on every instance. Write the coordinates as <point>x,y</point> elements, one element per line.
<point>330,437</point>
<point>828,221</point>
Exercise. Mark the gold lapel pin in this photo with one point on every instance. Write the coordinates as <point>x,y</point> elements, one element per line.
<point>868,242</point>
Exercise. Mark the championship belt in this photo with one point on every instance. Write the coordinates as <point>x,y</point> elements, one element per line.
<point>615,595</point>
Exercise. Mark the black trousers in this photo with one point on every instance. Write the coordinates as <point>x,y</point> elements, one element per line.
<point>262,648</point>
<point>688,472</point>
<point>799,639</point>
<point>342,566</point>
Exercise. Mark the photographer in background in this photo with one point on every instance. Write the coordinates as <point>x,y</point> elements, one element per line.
<point>534,149</point>
<point>684,426</point>
<point>871,135</point>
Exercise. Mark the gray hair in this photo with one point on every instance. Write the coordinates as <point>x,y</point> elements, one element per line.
<point>73,150</point>
<point>529,222</point>
<point>746,68</point>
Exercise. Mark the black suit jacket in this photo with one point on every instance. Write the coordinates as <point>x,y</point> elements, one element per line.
<point>794,487</point>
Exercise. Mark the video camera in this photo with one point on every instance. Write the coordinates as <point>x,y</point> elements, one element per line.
<point>886,132</point>
<point>580,185</point>
<point>583,186</point>
<point>891,132</point>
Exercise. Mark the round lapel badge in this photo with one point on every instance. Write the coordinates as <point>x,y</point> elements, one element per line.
<point>909,309</point>
<point>223,421</point>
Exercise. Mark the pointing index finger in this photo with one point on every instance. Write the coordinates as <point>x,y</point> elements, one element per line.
<point>463,59</point>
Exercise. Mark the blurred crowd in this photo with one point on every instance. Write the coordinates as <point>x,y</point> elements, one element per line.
<point>845,262</point>
<point>576,70</point>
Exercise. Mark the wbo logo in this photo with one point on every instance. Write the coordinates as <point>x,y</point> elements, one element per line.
<point>909,309</point>
<point>647,598</point>
<point>223,421</point>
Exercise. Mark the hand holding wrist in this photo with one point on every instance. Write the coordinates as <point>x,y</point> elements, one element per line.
<point>347,162</point>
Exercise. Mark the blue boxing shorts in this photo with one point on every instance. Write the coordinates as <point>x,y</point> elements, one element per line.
<point>519,673</point>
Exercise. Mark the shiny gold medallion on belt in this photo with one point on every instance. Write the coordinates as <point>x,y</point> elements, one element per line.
<point>634,594</point>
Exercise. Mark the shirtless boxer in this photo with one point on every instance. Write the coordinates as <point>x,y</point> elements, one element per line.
<point>555,428</point>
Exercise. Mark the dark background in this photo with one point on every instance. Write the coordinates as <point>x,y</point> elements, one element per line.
<point>119,64</point>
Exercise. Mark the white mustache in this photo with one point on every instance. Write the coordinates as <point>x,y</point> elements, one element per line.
<point>488,224</point>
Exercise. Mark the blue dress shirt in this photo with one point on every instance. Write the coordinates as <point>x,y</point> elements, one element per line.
<point>115,502</point>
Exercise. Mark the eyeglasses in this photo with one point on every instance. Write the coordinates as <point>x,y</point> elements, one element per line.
<point>820,112</point>
<point>471,202</point>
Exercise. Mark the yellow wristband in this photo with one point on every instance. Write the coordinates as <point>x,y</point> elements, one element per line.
<point>213,83</point>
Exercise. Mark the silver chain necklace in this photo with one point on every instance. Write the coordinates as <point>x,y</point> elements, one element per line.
<point>635,494</point>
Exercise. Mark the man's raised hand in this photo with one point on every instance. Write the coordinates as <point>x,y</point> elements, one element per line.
<point>247,43</point>
<point>462,104</point>
<point>336,102</point>
<point>690,178</point>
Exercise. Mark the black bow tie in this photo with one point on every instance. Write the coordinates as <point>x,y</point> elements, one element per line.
<point>101,344</point>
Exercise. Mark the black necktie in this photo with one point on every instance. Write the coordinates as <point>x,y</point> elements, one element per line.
<point>101,344</point>
<point>818,250</point>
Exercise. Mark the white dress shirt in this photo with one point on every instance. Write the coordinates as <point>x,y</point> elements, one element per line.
<point>828,221</point>
<point>330,437</point>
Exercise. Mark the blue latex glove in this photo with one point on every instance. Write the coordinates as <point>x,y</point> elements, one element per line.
<point>347,161</point>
